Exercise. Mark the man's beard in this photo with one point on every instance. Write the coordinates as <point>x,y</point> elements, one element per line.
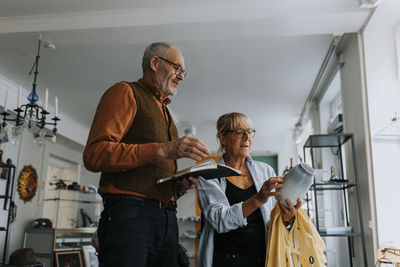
<point>167,89</point>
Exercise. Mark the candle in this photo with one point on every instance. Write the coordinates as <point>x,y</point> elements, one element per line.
<point>5,102</point>
<point>19,97</point>
<point>56,106</point>
<point>46,99</point>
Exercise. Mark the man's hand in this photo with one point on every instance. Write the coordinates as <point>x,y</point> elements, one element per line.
<point>187,183</point>
<point>184,147</point>
<point>289,212</point>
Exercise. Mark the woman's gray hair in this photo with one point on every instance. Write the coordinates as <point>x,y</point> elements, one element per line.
<point>229,122</point>
<point>155,49</point>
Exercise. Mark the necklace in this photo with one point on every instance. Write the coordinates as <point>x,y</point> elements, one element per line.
<point>240,167</point>
<point>246,173</point>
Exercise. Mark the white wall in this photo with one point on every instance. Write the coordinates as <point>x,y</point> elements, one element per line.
<point>283,145</point>
<point>382,72</point>
<point>355,117</point>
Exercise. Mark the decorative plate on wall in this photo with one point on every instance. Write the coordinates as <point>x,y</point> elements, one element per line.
<point>27,183</point>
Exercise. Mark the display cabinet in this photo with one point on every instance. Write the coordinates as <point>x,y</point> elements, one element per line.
<point>72,208</point>
<point>187,225</point>
<point>45,242</point>
<point>8,172</point>
<point>341,149</point>
<point>188,236</point>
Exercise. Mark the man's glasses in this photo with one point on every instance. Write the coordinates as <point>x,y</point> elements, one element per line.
<point>240,132</point>
<point>178,68</point>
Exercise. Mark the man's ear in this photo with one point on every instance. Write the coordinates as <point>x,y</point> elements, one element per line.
<point>154,63</point>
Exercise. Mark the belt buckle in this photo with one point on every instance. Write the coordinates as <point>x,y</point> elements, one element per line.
<point>173,203</point>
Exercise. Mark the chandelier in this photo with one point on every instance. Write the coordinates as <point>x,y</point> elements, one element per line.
<point>32,113</point>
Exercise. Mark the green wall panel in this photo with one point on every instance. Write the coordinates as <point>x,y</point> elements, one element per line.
<point>270,160</point>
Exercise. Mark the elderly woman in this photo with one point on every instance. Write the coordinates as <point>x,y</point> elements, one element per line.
<point>237,209</point>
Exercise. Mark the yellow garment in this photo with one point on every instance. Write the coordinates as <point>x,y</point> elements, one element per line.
<point>301,245</point>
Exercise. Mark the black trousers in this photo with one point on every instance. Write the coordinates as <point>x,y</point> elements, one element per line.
<point>133,233</point>
<point>237,260</point>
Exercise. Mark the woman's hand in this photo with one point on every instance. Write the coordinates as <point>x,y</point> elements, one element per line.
<point>270,188</point>
<point>289,212</point>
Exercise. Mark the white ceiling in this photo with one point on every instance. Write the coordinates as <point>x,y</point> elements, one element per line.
<point>256,57</point>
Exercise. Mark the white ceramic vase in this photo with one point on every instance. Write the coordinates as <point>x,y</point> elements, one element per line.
<point>296,183</point>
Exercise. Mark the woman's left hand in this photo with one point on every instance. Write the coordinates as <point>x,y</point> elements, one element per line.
<point>288,212</point>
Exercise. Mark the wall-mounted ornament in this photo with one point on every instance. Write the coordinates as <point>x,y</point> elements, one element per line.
<point>27,183</point>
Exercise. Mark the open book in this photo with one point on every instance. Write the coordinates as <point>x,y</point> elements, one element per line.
<point>208,170</point>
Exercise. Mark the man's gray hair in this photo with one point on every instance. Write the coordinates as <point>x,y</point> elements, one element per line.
<point>155,49</point>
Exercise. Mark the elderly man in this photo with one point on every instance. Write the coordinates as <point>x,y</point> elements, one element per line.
<point>133,142</point>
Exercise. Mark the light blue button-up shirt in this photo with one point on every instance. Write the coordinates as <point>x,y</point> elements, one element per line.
<point>220,216</point>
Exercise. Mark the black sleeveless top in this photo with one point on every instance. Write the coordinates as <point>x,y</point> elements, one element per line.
<point>248,241</point>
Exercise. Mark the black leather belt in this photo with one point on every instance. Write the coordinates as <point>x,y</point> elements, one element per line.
<point>162,205</point>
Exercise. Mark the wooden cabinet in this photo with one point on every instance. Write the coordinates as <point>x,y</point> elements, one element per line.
<point>45,242</point>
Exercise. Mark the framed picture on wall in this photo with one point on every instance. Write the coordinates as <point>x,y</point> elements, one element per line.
<point>68,258</point>
<point>90,256</point>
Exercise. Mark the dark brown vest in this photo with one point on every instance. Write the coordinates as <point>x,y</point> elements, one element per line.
<point>149,126</point>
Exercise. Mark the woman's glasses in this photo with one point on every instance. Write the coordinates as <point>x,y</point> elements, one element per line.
<point>241,132</point>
